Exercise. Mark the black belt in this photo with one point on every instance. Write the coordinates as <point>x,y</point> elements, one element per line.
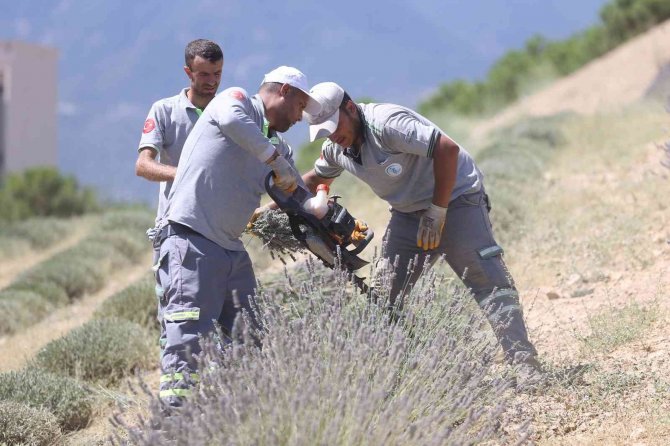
<point>173,228</point>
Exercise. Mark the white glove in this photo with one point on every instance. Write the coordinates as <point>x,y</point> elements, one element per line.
<point>430,227</point>
<point>285,176</point>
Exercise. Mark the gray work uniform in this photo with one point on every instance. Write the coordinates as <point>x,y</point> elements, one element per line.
<point>219,183</point>
<point>166,128</point>
<point>395,160</point>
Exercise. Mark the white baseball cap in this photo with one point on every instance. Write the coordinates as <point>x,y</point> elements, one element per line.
<point>295,78</point>
<point>324,123</point>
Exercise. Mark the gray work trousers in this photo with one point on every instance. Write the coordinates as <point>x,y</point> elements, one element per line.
<point>198,278</point>
<point>471,251</point>
<point>159,291</point>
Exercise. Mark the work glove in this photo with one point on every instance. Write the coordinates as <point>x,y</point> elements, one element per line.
<point>285,177</point>
<point>358,233</point>
<point>430,227</point>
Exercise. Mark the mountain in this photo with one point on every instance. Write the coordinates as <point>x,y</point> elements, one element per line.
<point>119,57</point>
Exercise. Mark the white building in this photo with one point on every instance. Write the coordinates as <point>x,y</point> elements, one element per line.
<point>28,106</point>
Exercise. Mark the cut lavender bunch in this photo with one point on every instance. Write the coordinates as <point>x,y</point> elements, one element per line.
<point>273,228</point>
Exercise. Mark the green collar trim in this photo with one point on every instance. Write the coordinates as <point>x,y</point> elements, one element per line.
<point>274,140</point>
<point>266,127</point>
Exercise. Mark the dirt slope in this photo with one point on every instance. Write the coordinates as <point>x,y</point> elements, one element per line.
<point>609,273</point>
<point>619,78</point>
<point>599,243</point>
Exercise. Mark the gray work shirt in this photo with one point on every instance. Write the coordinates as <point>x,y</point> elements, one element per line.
<point>220,178</point>
<point>166,128</point>
<point>395,159</point>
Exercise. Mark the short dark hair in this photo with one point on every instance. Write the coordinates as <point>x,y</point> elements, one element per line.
<point>274,87</point>
<point>271,87</point>
<point>204,48</point>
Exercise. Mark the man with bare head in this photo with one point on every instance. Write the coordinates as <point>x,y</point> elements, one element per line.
<point>171,119</point>
<point>169,122</point>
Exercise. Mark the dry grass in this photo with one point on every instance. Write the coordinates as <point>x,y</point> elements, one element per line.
<point>602,204</point>
<point>596,237</point>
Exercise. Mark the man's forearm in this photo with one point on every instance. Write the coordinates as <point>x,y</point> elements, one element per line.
<point>445,168</point>
<point>155,171</point>
<point>312,180</point>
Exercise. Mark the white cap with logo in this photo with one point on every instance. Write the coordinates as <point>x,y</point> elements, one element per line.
<point>324,123</point>
<point>295,78</point>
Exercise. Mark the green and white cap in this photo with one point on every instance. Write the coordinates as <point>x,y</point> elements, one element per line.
<point>324,123</point>
<point>295,78</point>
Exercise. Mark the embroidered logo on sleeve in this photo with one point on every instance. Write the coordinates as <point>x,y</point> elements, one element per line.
<point>237,94</point>
<point>149,125</point>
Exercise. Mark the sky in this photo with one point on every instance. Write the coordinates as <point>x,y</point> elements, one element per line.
<point>118,57</point>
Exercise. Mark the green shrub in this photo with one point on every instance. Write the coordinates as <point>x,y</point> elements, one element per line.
<point>120,240</point>
<point>33,234</point>
<point>43,191</point>
<point>48,290</point>
<point>10,247</point>
<point>135,303</point>
<point>22,424</point>
<point>133,220</point>
<point>74,274</point>
<point>624,19</point>
<point>67,399</point>
<point>102,351</point>
<point>21,308</point>
<point>40,233</point>
<point>507,79</point>
<point>130,245</point>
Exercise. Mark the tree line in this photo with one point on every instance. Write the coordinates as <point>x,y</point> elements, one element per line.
<point>519,71</point>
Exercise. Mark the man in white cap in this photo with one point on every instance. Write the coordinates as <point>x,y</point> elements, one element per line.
<point>203,267</point>
<point>438,203</point>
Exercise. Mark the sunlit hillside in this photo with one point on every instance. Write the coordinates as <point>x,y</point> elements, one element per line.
<point>579,192</point>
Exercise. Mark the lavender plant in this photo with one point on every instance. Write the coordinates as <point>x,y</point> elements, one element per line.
<point>70,401</point>
<point>22,424</point>
<point>84,268</point>
<point>273,228</point>
<point>339,369</point>
<point>135,303</point>
<point>102,351</point>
